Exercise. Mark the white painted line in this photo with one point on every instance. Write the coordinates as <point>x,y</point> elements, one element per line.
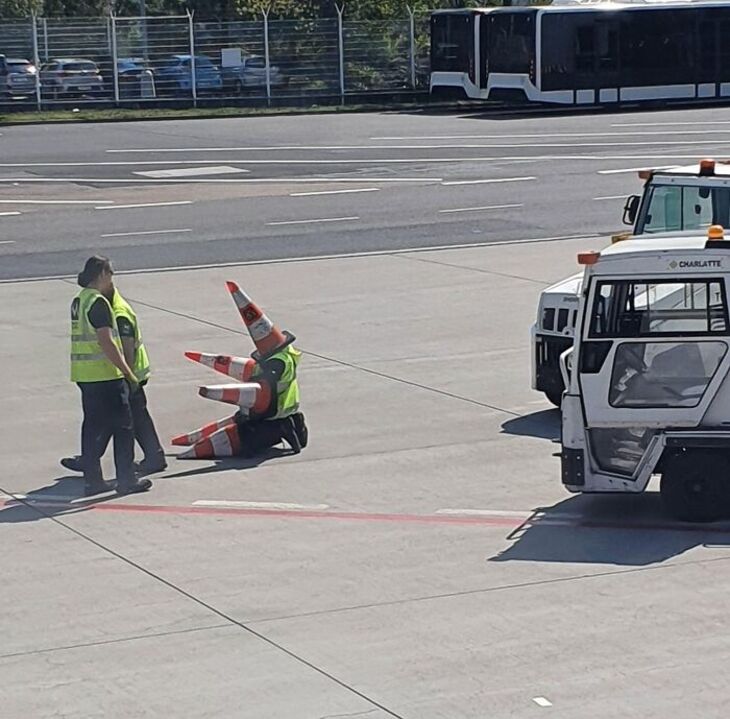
<point>633,169</point>
<point>9,214</point>
<point>311,222</point>
<point>668,124</point>
<point>334,192</point>
<point>540,136</point>
<point>7,242</point>
<point>486,513</point>
<point>488,182</point>
<point>9,497</point>
<point>542,702</point>
<point>259,505</point>
<point>146,232</point>
<point>238,180</point>
<point>192,171</point>
<point>611,197</point>
<point>476,209</point>
<point>317,258</point>
<point>463,146</point>
<point>56,202</point>
<point>146,204</point>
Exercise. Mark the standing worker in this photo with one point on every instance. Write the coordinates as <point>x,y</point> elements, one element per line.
<point>106,382</point>
<point>136,357</point>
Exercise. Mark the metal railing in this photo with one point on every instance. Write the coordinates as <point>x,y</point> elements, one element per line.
<point>118,61</point>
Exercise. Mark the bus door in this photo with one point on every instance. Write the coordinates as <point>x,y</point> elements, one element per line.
<point>652,354</point>
<point>607,54</point>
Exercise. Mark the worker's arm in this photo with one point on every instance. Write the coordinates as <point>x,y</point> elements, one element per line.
<point>127,335</point>
<point>110,349</point>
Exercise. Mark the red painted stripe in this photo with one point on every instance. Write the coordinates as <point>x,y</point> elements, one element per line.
<point>491,521</point>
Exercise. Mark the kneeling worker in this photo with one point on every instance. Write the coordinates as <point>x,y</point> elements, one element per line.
<point>106,382</point>
<point>268,399</point>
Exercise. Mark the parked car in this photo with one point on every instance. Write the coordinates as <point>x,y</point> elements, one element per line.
<point>174,75</point>
<point>251,74</point>
<point>130,71</point>
<point>71,76</point>
<point>17,77</point>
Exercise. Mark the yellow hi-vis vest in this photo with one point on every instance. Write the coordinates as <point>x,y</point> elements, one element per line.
<point>88,361</point>
<point>122,308</point>
<point>287,388</point>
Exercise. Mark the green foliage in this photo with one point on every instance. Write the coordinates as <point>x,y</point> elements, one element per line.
<point>226,9</point>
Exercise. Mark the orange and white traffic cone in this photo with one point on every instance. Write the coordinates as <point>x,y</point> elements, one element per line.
<point>240,368</point>
<point>267,337</point>
<point>223,443</point>
<point>186,440</point>
<point>249,397</point>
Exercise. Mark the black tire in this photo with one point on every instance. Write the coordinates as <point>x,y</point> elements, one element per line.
<point>555,396</point>
<point>694,485</point>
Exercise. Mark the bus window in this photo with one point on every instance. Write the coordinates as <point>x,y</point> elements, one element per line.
<point>452,38</point>
<point>511,42</point>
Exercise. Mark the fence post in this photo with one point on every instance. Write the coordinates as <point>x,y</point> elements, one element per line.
<point>115,58</point>
<point>412,31</point>
<point>37,63</point>
<point>45,39</point>
<point>266,54</point>
<point>193,73</point>
<point>341,46</point>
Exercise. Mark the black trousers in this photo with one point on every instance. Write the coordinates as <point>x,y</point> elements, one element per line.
<point>144,428</point>
<point>107,414</point>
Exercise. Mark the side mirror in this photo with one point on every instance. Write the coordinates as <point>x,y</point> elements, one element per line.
<point>631,209</point>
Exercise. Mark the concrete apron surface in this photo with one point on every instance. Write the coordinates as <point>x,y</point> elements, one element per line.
<point>420,559</point>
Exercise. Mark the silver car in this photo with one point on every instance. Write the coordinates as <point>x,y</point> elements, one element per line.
<point>17,77</point>
<point>71,76</point>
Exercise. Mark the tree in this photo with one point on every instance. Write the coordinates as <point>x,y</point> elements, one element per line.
<point>19,8</point>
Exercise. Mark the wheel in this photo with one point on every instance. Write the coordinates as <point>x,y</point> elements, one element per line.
<point>693,485</point>
<point>555,396</point>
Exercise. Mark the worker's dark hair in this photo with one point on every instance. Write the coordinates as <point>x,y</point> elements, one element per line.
<point>93,268</point>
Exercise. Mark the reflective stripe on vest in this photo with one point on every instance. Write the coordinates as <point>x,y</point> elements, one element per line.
<point>88,361</point>
<point>287,388</point>
<point>141,364</point>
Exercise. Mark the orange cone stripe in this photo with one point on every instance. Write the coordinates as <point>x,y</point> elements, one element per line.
<point>263,398</point>
<point>240,368</point>
<point>185,440</point>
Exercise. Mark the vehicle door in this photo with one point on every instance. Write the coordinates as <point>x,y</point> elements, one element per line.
<point>653,352</point>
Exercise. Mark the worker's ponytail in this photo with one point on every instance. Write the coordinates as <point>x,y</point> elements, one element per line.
<point>92,269</point>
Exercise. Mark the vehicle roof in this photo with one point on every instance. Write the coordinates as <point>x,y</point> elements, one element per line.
<point>71,59</point>
<point>662,243</point>
<point>721,168</point>
<point>14,60</point>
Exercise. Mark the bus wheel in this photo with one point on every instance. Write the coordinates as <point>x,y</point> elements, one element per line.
<point>693,485</point>
<point>555,396</point>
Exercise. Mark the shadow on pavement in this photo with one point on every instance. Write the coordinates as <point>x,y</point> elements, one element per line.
<point>64,496</point>
<point>625,530</point>
<point>544,424</point>
<point>227,463</point>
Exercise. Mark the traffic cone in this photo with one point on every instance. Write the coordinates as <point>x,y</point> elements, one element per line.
<point>240,368</point>
<point>248,396</point>
<point>223,443</point>
<point>266,336</point>
<point>186,440</point>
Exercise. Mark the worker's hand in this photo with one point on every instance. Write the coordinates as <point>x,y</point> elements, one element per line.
<point>133,383</point>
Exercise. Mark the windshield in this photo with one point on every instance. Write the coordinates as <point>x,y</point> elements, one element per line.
<point>19,66</point>
<point>674,208</point>
<point>79,67</point>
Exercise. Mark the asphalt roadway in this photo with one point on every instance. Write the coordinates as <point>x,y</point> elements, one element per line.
<point>420,559</point>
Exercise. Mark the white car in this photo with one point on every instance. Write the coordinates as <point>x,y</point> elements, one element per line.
<point>71,76</point>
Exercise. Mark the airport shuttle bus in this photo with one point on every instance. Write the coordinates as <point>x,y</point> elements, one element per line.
<point>649,390</point>
<point>584,53</point>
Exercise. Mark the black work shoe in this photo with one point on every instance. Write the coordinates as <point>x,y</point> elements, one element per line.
<point>72,464</point>
<point>145,467</point>
<point>97,487</point>
<point>140,486</point>
<point>289,433</point>
<point>300,427</point>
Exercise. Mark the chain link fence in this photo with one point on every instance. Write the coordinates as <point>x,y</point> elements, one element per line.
<point>120,61</point>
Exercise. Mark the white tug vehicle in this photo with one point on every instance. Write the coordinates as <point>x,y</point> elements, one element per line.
<point>649,389</point>
<point>676,200</point>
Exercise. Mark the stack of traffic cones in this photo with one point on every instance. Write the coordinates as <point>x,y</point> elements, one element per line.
<point>221,439</point>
